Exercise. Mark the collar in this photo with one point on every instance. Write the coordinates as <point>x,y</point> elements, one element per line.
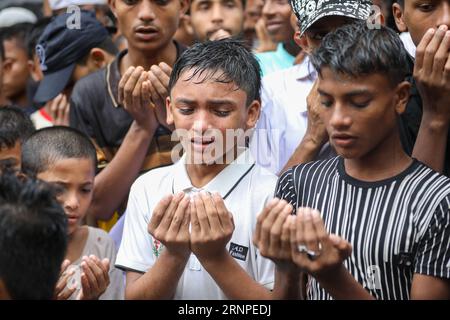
<point>223,183</point>
<point>305,70</point>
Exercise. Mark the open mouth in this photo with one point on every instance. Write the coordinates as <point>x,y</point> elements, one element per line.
<point>145,32</point>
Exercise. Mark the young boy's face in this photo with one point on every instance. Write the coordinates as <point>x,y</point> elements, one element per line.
<point>148,25</point>
<point>205,111</point>
<point>10,158</point>
<point>360,113</point>
<point>417,16</point>
<point>15,69</point>
<point>75,177</point>
<point>209,16</point>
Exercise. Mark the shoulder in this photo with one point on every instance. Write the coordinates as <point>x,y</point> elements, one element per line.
<point>152,180</point>
<point>313,167</point>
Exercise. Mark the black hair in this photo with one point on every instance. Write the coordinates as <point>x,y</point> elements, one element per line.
<point>401,2</point>
<point>17,32</point>
<point>33,238</point>
<point>230,57</point>
<point>15,126</point>
<point>48,145</point>
<point>34,34</point>
<point>108,45</point>
<point>356,50</point>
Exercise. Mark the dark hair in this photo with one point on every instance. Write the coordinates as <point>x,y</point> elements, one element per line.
<point>35,33</point>
<point>234,62</point>
<point>108,45</point>
<point>15,126</point>
<point>17,32</point>
<point>51,144</point>
<point>356,50</point>
<point>33,238</point>
<point>401,2</point>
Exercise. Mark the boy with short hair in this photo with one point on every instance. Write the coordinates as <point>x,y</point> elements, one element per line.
<point>33,239</point>
<point>372,222</point>
<point>15,127</point>
<point>188,226</point>
<point>66,158</point>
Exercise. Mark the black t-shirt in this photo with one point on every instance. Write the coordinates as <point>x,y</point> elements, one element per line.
<point>409,121</point>
<point>94,109</point>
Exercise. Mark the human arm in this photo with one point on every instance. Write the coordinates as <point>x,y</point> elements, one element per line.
<point>432,75</point>
<point>170,225</point>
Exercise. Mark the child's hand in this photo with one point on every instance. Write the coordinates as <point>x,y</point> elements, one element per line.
<point>170,224</point>
<point>61,290</point>
<point>272,233</point>
<point>313,249</point>
<point>212,226</point>
<point>432,73</point>
<point>94,278</point>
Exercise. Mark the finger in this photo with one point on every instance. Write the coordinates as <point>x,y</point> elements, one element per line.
<point>275,233</point>
<point>344,247</point>
<point>130,86</point>
<point>97,268</point>
<point>432,48</point>
<point>168,71</point>
<point>160,92</point>
<point>299,226</point>
<point>319,227</point>
<point>268,222</point>
<point>285,234</point>
<point>187,218</point>
<point>122,83</point>
<point>179,215</point>
<point>225,216</point>
<point>162,80</point>
<point>138,102</point>
<point>170,212</point>
<point>146,94</point>
<point>201,214</point>
<point>158,213</point>
<point>310,236</point>
<point>194,218</point>
<point>64,266</point>
<point>420,51</point>
<point>441,56</point>
<point>447,69</point>
<point>93,284</point>
<point>211,210</point>
<point>86,287</point>
<point>261,218</point>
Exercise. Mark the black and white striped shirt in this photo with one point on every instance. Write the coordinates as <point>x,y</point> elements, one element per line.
<point>397,227</point>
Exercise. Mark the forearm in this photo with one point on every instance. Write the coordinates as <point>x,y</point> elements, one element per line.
<point>113,183</point>
<point>306,151</point>
<point>231,278</point>
<point>160,282</point>
<point>431,142</point>
<point>342,286</point>
<point>287,284</point>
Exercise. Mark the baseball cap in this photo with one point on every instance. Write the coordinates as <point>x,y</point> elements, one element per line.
<point>15,15</point>
<point>310,11</point>
<point>61,46</point>
<point>61,4</point>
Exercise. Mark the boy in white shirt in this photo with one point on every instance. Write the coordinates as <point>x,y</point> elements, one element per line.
<point>188,227</point>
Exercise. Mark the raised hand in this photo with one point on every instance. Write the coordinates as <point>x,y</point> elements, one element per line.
<point>313,250</point>
<point>212,226</point>
<point>272,233</point>
<point>170,224</point>
<point>158,83</point>
<point>62,290</point>
<point>94,277</point>
<point>315,130</point>
<point>59,109</point>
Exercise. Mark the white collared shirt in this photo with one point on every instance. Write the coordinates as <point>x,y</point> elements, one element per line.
<point>283,120</point>
<point>246,188</point>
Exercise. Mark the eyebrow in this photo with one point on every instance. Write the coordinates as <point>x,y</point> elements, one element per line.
<point>214,102</point>
<point>349,94</point>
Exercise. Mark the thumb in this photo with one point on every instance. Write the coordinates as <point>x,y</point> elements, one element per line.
<point>341,244</point>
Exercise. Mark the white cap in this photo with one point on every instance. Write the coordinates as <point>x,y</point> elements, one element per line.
<point>61,4</point>
<point>14,15</point>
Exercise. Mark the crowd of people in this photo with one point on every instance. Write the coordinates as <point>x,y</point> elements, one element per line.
<point>225,149</point>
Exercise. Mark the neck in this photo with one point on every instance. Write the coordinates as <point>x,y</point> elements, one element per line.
<point>146,59</point>
<point>385,161</point>
<point>291,47</point>
<point>20,100</point>
<point>201,174</point>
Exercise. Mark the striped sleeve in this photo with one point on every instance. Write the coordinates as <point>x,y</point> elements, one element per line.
<point>433,253</point>
<point>285,188</point>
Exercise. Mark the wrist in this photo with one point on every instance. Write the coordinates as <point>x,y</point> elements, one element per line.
<point>331,277</point>
<point>141,131</point>
<point>434,122</point>
<point>217,259</point>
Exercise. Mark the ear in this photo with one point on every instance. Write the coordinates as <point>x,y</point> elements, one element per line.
<point>97,58</point>
<point>112,6</point>
<point>399,17</point>
<point>169,111</point>
<point>402,96</point>
<point>35,70</point>
<point>184,6</point>
<point>302,42</point>
<point>253,112</point>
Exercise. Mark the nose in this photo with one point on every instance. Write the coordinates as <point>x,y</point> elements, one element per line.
<point>444,14</point>
<point>201,122</point>
<point>340,118</point>
<point>268,9</point>
<point>71,202</point>
<point>217,14</point>
<point>145,11</point>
